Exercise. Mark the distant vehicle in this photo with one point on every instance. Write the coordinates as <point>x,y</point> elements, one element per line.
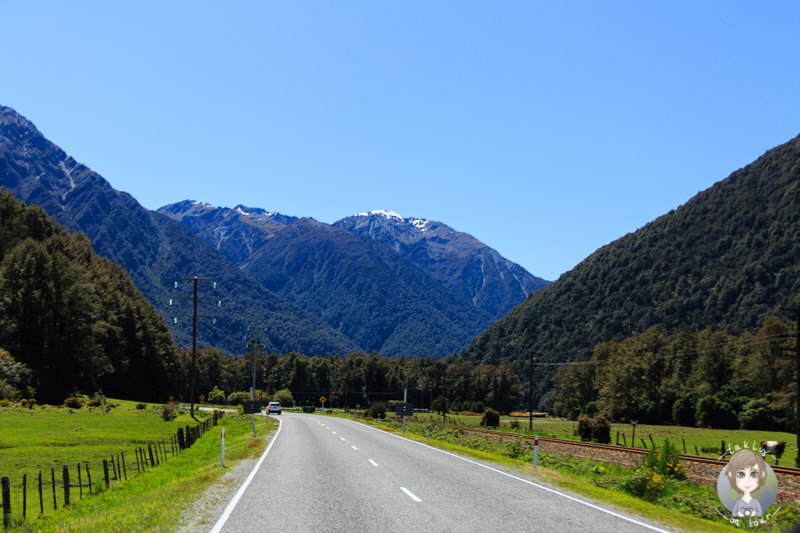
<point>274,407</point>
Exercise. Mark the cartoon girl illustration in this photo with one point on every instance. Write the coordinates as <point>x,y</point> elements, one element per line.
<point>747,472</point>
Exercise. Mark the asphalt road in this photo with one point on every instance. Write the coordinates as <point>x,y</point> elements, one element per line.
<point>330,474</point>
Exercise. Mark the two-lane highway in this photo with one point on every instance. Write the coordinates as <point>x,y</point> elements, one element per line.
<point>330,474</point>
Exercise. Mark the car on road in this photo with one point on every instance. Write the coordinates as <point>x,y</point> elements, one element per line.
<point>274,407</point>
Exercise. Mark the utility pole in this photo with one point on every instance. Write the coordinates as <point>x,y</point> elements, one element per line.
<point>195,316</point>
<point>256,343</point>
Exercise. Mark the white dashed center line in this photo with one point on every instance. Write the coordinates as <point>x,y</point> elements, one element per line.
<point>356,449</point>
<point>410,494</point>
<point>373,463</point>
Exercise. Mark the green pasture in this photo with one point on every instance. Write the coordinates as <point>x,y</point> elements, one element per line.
<point>710,439</point>
<point>41,438</point>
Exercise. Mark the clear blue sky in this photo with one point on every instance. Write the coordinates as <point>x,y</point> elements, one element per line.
<point>545,129</point>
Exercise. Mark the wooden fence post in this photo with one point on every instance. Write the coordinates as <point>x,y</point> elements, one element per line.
<point>624,440</point>
<point>65,476</point>
<point>152,457</point>
<point>105,473</point>
<point>124,468</point>
<point>41,497</point>
<point>684,445</point>
<point>80,482</point>
<point>88,476</point>
<point>24,495</point>
<point>644,444</point>
<point>6,484</point>
<point>181,440</point>
<point>114,468</point>
<point>695,450</point>
<point>652,441</point>
<point>53,477</point>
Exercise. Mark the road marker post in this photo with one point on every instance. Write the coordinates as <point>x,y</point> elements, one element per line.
<point>222,448</point>
<point>535,451</point>
<point>428,431</point>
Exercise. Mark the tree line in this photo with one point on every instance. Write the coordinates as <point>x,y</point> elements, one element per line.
<point>708,379</point>
<point>355,380</point>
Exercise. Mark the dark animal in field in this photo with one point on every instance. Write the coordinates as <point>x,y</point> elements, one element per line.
<point>774,447</point>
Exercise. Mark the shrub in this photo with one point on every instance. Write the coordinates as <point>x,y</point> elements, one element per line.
<point>73,402</point>
<point>141,405</point>
<point>98,400</point>
<point>491,418</point>
<point>4,403</point>
<point>284,396</point>
<point>238,398</point>
<point>169,412</point>
<point>601,430</point>
<point>377,409</point>
<point>216,396</point>
<point>645,483</point>
<point>585,428</point>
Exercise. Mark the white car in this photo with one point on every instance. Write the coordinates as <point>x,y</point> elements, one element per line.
<point>274,407</point>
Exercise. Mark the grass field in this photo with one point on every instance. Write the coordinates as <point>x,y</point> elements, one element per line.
<point>41,438</point>
<point>699,438</point>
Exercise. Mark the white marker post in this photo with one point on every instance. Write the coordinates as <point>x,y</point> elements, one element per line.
<point>222,449</point>
<point>535,451</point>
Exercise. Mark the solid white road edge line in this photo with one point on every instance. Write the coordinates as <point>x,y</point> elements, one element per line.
<point>548,489</point>
<point>410,495</point>
<point>236,497</point>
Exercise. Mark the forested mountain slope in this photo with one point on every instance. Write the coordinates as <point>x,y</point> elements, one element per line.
<point>726,259</point>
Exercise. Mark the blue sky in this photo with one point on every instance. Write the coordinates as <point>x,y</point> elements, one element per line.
<point>545,129</point>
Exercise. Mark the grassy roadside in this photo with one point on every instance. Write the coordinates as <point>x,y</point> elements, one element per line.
<point>682,504</point>
<point>155,500</point>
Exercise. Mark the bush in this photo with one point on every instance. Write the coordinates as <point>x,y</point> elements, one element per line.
<point>377,409</point>
<point>645,483</point>
<point>98,400</point>
<point>585,428</point>
<point>73,402</point>
<point>216,396</point>
<point>141,405</point>
<point>284,396</point>
<point>491,418</point>
<point>601,430</point>
<point>238,398</point>
<point>169,412</point>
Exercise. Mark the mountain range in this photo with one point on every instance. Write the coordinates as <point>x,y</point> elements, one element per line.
<point>393,285</point>
<point>316,288</point>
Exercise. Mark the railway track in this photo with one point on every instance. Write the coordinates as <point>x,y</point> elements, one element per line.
<point>704,469</point>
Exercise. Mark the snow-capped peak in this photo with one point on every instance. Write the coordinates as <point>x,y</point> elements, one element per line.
<point>380,212</point>
<point>419,223</point>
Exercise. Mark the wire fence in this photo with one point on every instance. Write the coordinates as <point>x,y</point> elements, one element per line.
<point>46,491</point>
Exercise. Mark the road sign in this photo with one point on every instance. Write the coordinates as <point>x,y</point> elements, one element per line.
<point>404,409</point>
<point>251,407</point>
<point>322,399</point>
